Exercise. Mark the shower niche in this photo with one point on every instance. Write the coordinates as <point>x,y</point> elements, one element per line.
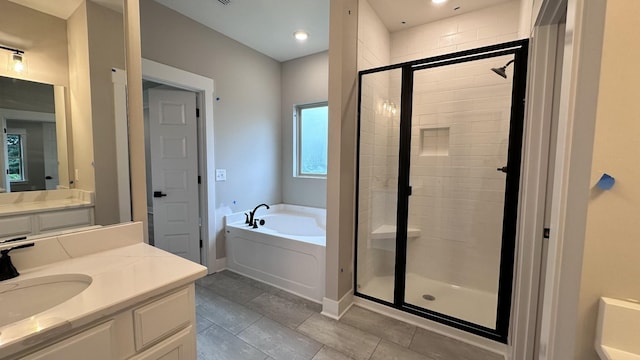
<point>439,153</point>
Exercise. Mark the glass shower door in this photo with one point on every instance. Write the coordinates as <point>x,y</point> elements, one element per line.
<point>379,129</point>
<point>460,127</point>
<point>438,174</point>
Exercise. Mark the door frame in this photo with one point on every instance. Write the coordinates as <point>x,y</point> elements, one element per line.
<point>203,86</point>
<point>23,115</point>
<point>572,171</point>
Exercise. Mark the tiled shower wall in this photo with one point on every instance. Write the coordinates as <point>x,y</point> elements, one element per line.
<point>460,129</point>
<point>460,121</point>
<point>374,202</point>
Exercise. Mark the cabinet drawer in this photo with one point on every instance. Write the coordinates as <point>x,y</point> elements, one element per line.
<point>16,225</point>
<point>181,346</point>
<point>65,219</point>
<point>97,341</point>
<point>162,317</point>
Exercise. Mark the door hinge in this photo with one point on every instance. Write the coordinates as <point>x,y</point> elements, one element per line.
<point>200,243</point>
<point>546,233</point>
<point>199,179</point>
<point>197,112</point>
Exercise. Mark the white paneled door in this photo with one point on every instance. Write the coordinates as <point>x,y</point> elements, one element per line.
<point>174,169</point>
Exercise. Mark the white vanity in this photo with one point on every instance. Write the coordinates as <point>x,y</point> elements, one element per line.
<point>37,212</point>
<point>98,294</point>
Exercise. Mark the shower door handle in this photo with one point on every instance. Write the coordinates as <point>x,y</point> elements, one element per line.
<point>503,169</point>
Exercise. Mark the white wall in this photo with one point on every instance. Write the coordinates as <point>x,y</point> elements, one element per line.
<point>458,196</point>
<point>484,27</point>
<point>304,80</point>
<point>247,116</point>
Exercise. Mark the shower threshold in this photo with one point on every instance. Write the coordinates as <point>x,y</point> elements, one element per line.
<point>472,305</point>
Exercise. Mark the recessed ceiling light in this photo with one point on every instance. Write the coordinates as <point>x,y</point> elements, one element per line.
<point>438,1</point>
<point>301,35</point>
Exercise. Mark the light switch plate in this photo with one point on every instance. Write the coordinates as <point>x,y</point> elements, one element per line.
<point>221,174</point>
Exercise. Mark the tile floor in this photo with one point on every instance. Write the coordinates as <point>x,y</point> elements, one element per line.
<point>239,318</point>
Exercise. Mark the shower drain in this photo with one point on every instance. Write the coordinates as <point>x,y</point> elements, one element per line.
<point>428,297</point>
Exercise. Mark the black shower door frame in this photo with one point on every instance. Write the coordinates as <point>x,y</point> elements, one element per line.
<point>519,49</point>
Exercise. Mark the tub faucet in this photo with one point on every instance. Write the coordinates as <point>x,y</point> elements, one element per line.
<point>251,214</point>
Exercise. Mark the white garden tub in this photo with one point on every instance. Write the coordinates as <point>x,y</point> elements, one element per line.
<point>288,251</point>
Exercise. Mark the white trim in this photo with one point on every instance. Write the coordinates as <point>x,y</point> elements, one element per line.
<point>169,75</point>
<point>533,192</point>
<point>576,128</point>
<point>22,115</point>
<point>221,264</point>
<point>335,309</point>
<point>441,329</point>
<point>119,79</point>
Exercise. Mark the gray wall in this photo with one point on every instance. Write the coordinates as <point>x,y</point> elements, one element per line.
<point>106,51</point>
<point>247,124</point>
<point>44,39</point>
<point>304,80</point>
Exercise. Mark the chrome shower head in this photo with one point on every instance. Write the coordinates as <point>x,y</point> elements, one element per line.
<point>502,71</point>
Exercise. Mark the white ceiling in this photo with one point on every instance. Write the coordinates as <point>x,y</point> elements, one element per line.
<point>418,12</point>
<point>264,25</point>
<point>64,8</point>
<point>268,25</point>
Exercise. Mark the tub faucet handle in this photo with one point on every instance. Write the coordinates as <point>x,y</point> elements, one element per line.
<point>246,219</point>
<point>255,224</point>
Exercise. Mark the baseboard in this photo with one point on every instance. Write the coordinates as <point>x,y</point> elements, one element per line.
<point>221,264</point>
<point>335,309</point>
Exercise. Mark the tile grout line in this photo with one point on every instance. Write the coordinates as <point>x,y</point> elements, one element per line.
<point>375,348</point>
<point>413,336</point>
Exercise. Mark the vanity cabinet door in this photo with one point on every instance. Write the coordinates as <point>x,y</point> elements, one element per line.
<point>97,341</point>
<point>181,346</point>
<point>162,317</point>
<point>64,219</point>
<point>16,225</point>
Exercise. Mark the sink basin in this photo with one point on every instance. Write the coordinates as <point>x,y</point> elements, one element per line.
<point>617,330</point>
<point>20,299</point>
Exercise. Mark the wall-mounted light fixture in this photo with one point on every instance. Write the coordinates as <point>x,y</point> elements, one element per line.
<point>389,108</point>
<point>16,60</point>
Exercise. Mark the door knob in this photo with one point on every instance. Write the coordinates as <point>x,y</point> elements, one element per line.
<point>158,194</point>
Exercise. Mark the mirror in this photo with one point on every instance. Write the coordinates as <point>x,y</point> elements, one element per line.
<point>33,153</point>
<point>64,112</point>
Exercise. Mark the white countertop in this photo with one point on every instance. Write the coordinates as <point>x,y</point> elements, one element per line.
<point>48,205</point>
<point>28,202</point>
<point>121,277</point>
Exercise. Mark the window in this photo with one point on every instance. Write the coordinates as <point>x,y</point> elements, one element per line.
<point>16,156</point>
<point>311,140</point>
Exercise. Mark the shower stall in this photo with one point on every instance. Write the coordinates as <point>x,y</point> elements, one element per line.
<point>439,153</point>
